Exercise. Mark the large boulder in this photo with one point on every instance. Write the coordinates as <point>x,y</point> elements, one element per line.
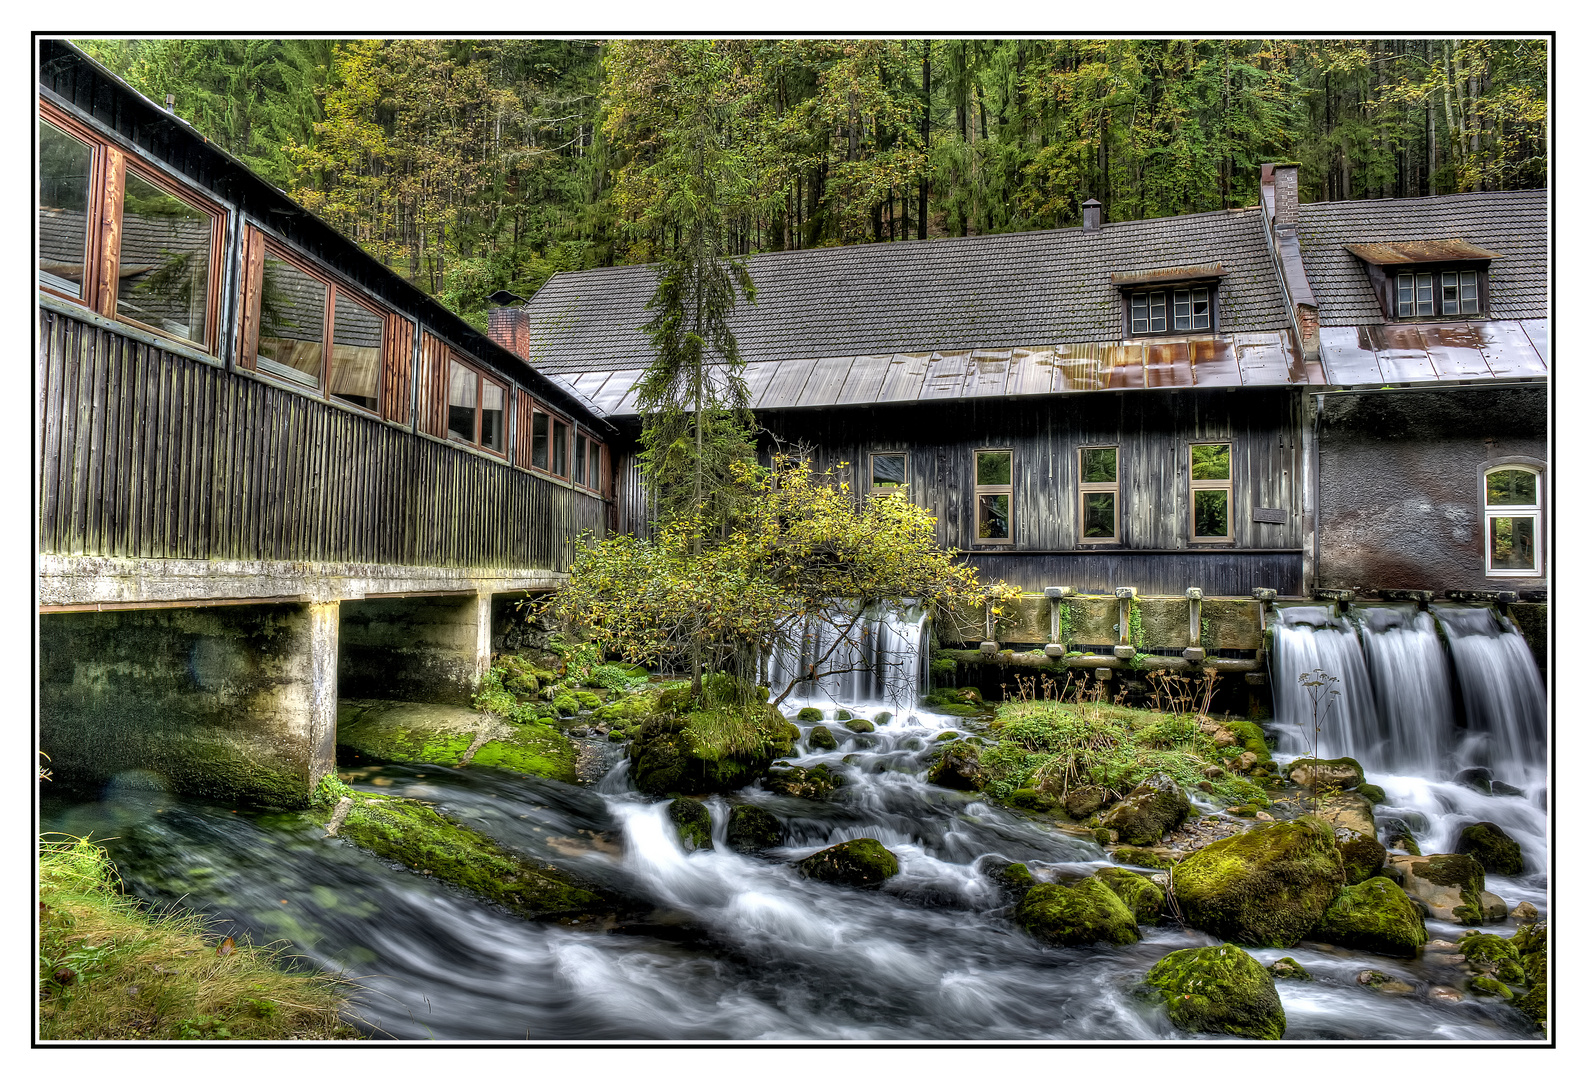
<point>1079,914</point>
<point>684,753</point>
<point>958,767</point>
<point>1449,887</point>
<point>821,738</point>
<point>1492,847</point>
<point>1376,916</point>
<point>1267,886</point>
<point>1362,854</point>
<point>862,863</point>
<point>1494,956</point>
<point>802,783</point>
<point>1013,878</point>
<point>751,830</point>
<point>1218,988</point>
<point>1146,813</point>
<point>1144,899</point>
<point>693,822</point>
<point>1343,773</point>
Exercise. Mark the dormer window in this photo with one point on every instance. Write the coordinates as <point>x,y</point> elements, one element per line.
<point>1428,280</point>
<point>1170,300</point>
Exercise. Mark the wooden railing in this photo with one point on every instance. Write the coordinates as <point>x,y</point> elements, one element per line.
<point>145,452</point>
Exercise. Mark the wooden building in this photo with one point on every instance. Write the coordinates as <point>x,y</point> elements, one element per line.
<point>258,445</point>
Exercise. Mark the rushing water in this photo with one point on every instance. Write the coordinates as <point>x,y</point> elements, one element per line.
<point>875,658</point>
<point>717,945</point>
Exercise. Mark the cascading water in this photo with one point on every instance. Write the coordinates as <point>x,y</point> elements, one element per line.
<point>1411,689</point>
<point>874,658</point>
<point>1308,638</point>
<point>1506,710</point>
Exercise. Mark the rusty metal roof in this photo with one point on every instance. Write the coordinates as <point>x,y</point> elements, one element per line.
<point>1166,274</point>
<point>1419,352</point>
<point>1401,252</point>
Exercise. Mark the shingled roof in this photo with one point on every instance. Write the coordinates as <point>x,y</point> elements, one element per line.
<point>1016,290</point>
<point>1513,224</point>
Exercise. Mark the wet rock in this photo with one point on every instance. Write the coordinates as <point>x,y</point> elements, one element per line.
<point>801,783</point>
<point>959,768</point>
<point>751,830</point>
<point>1449,886</point>
<point>862,863</point>
<point>1245,762</point>
<point>1013,878</point>
<point>693,822</point>
<point>1267,886</point>
<point>1446,994</point>
<point>1079,914</point>
<point>1478,779</point>
<point>1145,814</point>
<point>1343,773</point>
<point>1383,982</point>
<point>882,719</point>
<point>1494,907</point>
<point>1362,854</point>
<point>1490,954</point>
<point>1489,987</point>
<point>1492,847</point>
<point>1218,988</point>
<point>1501,788</point>
<point>672,753</point>
<point>1397,835</point>
<point>1349,810</point>
<point>810,715</point>
<point>1524,912</point>
<point>1373,793</point>
<point>1288,968</point>
<point>860,725</point>
<point>1032,799</point>
<point>1144,899</point>
<point>843,716</point>
<point>1082,802</point>
<point>1375,916</point>
<point>821,738</point>
<point>1531,945</point>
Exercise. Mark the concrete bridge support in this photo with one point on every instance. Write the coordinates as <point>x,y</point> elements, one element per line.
<point>416,648</point>
<point>235,703</point>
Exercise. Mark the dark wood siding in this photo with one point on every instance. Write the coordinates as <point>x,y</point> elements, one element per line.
<point>433,366</point>
<point>397,370</point>
<point>152,454</point>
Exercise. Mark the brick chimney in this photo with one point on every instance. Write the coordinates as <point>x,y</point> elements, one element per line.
<point>1286,194</point>
<point>1090,216</point>
<point>509,328</point>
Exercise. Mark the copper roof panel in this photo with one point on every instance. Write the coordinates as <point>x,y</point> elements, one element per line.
<point>945,376</point>
<point>1401,252</point>
<point>786,384</point>
<point>1029,372</point>
<point>905,371</point>
<point>1077,367</point>
<point>825,384</point>
<point>1167,274</point>
<point>1123,367</point>
<point>1168,364</point>
<point>1509,351</point>
<point>1213,363</point>
<point>865,380</point>
<point>1348,357</point>
<point>986,374</point>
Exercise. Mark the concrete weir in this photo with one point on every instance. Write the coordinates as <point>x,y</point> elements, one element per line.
<point>225,685</point>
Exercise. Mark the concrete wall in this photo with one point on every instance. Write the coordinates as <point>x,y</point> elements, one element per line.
<point>231,703</point>
<point>424,648</point>
<point>1400,494</point>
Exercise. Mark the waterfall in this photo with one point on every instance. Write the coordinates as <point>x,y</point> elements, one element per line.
<point>1411,687</point>
<point>1306,639</point>
<point>878,660</point>
<point>1506,708</point>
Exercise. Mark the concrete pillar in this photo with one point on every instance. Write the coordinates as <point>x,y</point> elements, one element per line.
<point>1194,652</point>
<point>235,703</point>
<point>1125,649</point>
<point>417,648</point>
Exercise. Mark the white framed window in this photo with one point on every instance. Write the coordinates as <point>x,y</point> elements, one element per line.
<point>1512,521</point>
<point>1211,493</point>
<point>1170,311</point>
<point>994,496</point>
<point>1429,293</point>
<point>1099,494</point>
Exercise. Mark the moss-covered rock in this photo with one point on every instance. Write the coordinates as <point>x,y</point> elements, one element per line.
<point>1031,799</point>
<point>1450,887</point>
<point>1375,916</point>
<point>1014,878</point>
<point>1362,854</point>
<point>1492,847</point>
<point>1267,886</point>
<point>1144,899</point>
<point>444,734</point>
<point>1079,914</point>
<point>1490,954</point>
<point>712,749</point>
<point>1155,806</point>
<point>821,738</point>
<point>858,724</point>
<point>801,783</point>
<point>693,822</point>
<point>1489,987</point>
<point>1349,810</point>
<point>946,736</point>
<point>1134,856</point>
<point>842,716</point>
<point>415,835</point>
<point>1372,792</point>
<point>1084,800</point>
<point>1287,967</point>
<point>882,719</point>
<point>1218,988</point>
<point>751,830</point>
<point>1252,740</point>
<point>1531,945</point>
<point>810,715</point>
<point>1343,773</point>
<point>862,863</point>
<point>958,767</point>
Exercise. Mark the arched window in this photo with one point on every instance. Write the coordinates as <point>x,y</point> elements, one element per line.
<point>1513,512</point>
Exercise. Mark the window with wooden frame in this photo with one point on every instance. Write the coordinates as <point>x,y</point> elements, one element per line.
<point>124,237</point>
<point>476,408</point>
<point>313,330</point>
<point>1428,293</point>
<point>1427,280</point>
<point>1186,310</point>
<point>597,478</point>
<point>1513,517</point>
<point>889,473</point>
<point>1099,494</point>
<point>1211,493</point>
<point>994,496</point>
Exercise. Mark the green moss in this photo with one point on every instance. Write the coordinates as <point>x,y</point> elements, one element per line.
<point>810,715</point>
<point>882,719</point>
<point>1154,807</point>
<point>587,699</point>
<point>693,822</point>
<point>857,724</point>
<point>536,751</point>
<point>1363,856</point>
<point>1375,915</point>
<point>751,829</point>
<point>821,738</point>
<point>1031,799</point>
<point>1462,872</point>
<point>1134,856</point>
<point>943,670</point>
<point>566,704</point>
<point>1252,738</point>
<point>862,863</point>
<point>843,716</point>
<point>1493,955</point>
<point>1080,914</point>
<point>1374,794</point>
<point>1491,847</point>
<point>717,748</point>
<point>415,835</point>
<point>1488,987</point>
<point>947,736</point>
<point>1266,887</point>
<point>958,767</point>
<point>801,783</point>
<point>1219,988</point>
<point>1144,899</point>
<point>1286,967</point>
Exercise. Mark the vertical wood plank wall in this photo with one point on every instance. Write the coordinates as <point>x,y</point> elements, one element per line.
<point>145,453</point>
